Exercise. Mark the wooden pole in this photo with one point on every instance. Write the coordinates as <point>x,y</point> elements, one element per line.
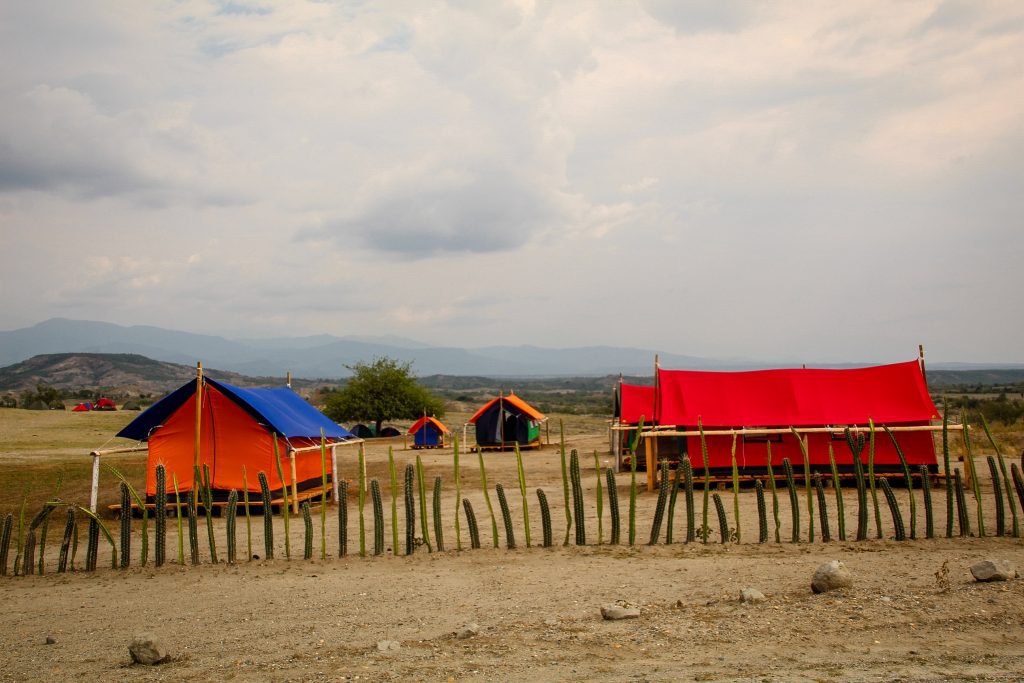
<point>651,461</point>
<point>920,361</point>
<point>289,380</point>
<point>501,416</point>
<point>295,483</point>
<point>94,495</point>
<point>199,413</point>
<point>334,472</point>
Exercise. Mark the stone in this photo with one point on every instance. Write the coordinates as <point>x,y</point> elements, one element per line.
<point>50,640</point>
<point>751,596</point>
<point>388,645</point>
<point>467,631</point>
<point>831,576</point>
<point>993,570</point>
<point>148,649</point>
<point>619,609</point>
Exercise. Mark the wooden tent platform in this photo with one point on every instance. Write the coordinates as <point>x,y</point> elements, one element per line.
<point>721,480</point>
<point>311,494</point>
<point>510,447</point>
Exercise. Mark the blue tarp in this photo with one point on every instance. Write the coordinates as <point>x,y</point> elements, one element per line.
<point>280,409</point>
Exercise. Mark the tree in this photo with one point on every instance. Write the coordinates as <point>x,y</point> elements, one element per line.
<point>383,390</point>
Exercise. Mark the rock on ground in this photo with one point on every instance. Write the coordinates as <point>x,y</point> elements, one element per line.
<point>467,631</point>
<point>751,596</point>
<point>147,649</point>
<point>993,570</point>
<point>388,645</point>
<point>830,576</point>
<point>620,610</point>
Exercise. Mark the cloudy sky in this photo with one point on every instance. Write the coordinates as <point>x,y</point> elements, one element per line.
<point>776,181</point>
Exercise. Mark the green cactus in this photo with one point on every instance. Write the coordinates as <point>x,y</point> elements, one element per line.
<point>826,533</point>
<point>794,504</point>
<point>723,523</point>
<point>46,524</point>
<point>762,514</point>
<point>673,494</point>
<point>775,496</point>
<point>1018,483</point>
<point>577,497</point>
<point>160,515</point>
<point>19,545</point>
<point>30,541</point>
<point>631,530</point>
<point>474,530</point>
<point>565,479</point>
<point>926,492</point>
<point>96,527</point>
<point>894,509</point>
<point>193,529</point>
<point>487,497</point>
<point>231,525</point>
<point>378,518</point>
<point>872,481</point>
<point>362,502</point>
<point>393,477</point>
<point>837,486</point>
<point>856,448</point>
<point>910,482</point>
<point>208,506</point>
<point>659,509</point>
<point>323,495</point>
<point>421,486</point>
<point>92,547</point>
<point>506,516</point>
<point>545,517</point>
<point>972,470</point>
<point>177,514</point>
<point>5,542</point>
<point>1015,526</point>
<point>410,510</point>
<point>268,517</point>
<point>599,492</point>
<point>285,505</point>
<point>458,492</point>
<point>946,470</point>
<point>140,501</point>
<point>522,492</point>
<point>248,518</point>
<point>126,526</point>
<point>997,494</point>
<point>307,522</point>
<point>438,527</point>
<point>735,489</point>
<point>963,520</point>
<point>342,518</point>
<point>807,484</point>
<point>687,469</point>
<point>705,530</point>
<point>613,505</point>
<point>65,547</point>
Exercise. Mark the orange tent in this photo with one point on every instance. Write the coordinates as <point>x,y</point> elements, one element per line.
<point>506,421</point>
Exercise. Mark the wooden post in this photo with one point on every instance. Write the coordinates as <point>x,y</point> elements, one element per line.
<point>94,495</point>
<point>295,483</point>
<point>920,361</point>
<point>652,461</point>
<point>199,413</point>
<point>289,380</point>
<point>547,432</point>
<point>334,472</point>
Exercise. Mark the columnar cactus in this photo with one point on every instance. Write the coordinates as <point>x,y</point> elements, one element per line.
<point>474,530</point>
<point>659,509</point>
<point>65,546</point>
<point>393,476</point>
<point>963,520</point>
<point>894,508</point>
<point>705,530</point>
<point>286,512</point>
<point>421,486</point>
<point>736,490</point>
<point>193,529</point>
<point>506,515</point>
<point>826,533</point>
<point>268,518</point>
<point>5,542</point>
<point>307,521</point>
<point>997,494</point>
<point>160,515</point>
<point>775,496</point>
<point>565,478</point>
<point>632,481</point>
<point>342,518</point>
<point>378,518</point>
<point>838,488</point>
<point>438,527</point>
<point>613,505</point>
<point>723,523</point>
<point>802,441</point>
<point>410,510</point>
<point>248,518</point>
<point>794,505</point>
<point>673,494</point>
<point>926,492</point>
<point>458,491</point>
<point>232,524</point>
<point>1015,528</point>
<point>126,526</point>
<point>93,545</point>
<point>972,470</point>
<point>856,448</point>
<point>361,494</point>
<point>522,492</point>
<point>1018,483</point>
<point>947,470</point>
<point>600,500</point>
<point>545,517</point>
<point>688,499</point>
<point>487,498</point>
<point>577,498</point>
<point>910,483</point>
<point>177,516</point>
<point>762,514</point>
<point>871,478</point>
<point>208,505</point>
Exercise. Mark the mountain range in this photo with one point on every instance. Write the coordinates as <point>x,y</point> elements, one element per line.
<point>326,356</point>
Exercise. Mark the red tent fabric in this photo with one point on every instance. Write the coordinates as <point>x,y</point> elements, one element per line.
<point>82,408</point>
<point>636,402</point>
<point>104,404</point>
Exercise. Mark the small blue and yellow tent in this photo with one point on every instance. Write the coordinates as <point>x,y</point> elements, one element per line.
<point>428,432</point>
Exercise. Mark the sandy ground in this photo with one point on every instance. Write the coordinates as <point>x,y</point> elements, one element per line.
<point>913,614</point>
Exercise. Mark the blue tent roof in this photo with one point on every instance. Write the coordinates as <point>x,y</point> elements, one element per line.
<point>280,409</point>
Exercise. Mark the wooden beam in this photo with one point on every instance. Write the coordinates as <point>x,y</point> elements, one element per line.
<point>657,431</point>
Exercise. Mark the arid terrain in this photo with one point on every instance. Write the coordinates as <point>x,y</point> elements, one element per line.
<point>913,614</point>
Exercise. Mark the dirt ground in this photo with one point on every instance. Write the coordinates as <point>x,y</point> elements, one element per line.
<point>914,613</point>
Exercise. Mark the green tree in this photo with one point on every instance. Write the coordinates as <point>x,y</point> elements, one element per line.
<point>383,390</point>
<point>48,396</point>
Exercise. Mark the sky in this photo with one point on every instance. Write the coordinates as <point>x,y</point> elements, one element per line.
<point>823,181</point>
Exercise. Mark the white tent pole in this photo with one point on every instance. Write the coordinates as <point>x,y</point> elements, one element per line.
<point>334,471</point>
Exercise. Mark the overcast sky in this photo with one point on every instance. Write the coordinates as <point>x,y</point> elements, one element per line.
<point>774,181</point>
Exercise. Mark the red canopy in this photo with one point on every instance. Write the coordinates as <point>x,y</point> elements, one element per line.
<point>636,402</point>
<point>888,394</point>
